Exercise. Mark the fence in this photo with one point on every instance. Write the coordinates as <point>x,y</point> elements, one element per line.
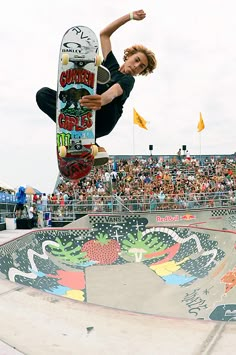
<point>73,209</point>
<point>115,203</point>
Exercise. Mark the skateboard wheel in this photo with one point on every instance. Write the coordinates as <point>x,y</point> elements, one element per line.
<point>94,149</point>
<point>62,151</point>
<point>98,60</point>
<point>65,58</point>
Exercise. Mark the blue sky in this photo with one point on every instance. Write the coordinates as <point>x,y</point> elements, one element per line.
<point>196,51</point>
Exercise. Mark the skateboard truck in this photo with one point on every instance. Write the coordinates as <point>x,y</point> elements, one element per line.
<point>103,74</point>
<point>76,148</point>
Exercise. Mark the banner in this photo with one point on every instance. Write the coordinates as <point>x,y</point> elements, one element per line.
<point>139,120</point>
<point>201,124</point>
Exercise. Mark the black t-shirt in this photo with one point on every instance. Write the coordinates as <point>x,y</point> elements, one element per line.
<point>108,116</point>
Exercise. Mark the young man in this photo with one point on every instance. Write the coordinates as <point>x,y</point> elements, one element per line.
<point>20,201</point>
<point>110,98</point>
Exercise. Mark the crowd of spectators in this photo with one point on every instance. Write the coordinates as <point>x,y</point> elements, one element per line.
<point>151,183</point>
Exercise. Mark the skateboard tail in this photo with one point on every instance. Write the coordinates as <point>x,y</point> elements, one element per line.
<point>76,168</point>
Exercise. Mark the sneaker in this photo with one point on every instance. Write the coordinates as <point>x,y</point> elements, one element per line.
<point>101,158</point>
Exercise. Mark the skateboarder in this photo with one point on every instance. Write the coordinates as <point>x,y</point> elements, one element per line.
<point>110,98</point>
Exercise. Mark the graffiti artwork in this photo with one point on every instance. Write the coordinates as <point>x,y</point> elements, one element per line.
<point>193,264</point>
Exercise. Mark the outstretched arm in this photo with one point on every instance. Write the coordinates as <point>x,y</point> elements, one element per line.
<point>106,33</point>
<point>95,102</point>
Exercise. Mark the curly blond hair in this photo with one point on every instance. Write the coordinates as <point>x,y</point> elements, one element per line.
<point>152,62</point>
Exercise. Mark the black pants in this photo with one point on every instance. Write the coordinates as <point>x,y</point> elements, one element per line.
<point>46,99</point>
<point>106,118</point>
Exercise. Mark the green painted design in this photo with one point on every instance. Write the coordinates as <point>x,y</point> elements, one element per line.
<point>103,239</point>
<point>75,112</point>
<point>139,245</point>
<point>68,253</point>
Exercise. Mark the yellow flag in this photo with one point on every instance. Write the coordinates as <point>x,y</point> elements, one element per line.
<point>201,124</point>
<point>139,120</point>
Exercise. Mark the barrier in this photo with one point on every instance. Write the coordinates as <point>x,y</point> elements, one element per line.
<point>48,219</point>
<point>10,223</point>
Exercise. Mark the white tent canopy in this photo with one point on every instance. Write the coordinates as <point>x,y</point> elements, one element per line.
<point>5,186</point>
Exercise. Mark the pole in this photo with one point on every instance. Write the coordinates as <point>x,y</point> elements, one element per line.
<point>133,141</point>
<point>200,148</point>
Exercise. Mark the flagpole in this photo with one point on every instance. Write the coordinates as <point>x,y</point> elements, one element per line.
<point>200,127</point>
<point>200,147</point>
<point>141,122</point>
<point>133,141</point>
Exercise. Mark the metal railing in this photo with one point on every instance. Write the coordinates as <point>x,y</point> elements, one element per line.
<point>73,209</point>
<point>118,204</point>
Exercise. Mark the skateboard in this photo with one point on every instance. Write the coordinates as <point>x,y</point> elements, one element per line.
<point>79,72</point>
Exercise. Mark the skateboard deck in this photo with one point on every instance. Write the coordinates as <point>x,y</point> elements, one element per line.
<point>78,73</point>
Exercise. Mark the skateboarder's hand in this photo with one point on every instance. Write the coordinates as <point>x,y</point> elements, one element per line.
<point>93,102</point>
<point>139,15</point>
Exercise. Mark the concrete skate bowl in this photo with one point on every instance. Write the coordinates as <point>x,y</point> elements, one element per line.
<point>174,264</point>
